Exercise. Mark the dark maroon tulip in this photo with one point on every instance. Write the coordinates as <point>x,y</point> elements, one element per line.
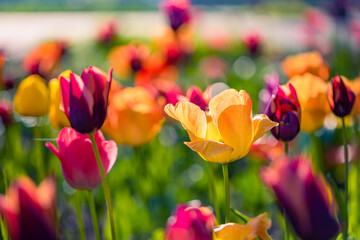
<point>340,97</point>
<point>190,223</point>
<point>305,197</point>
<point>178,12</point>
<point>85,98</point>
<point>284,108</point>
<point>29,211</point>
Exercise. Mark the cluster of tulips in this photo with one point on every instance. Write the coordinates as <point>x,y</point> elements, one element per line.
<point>221,129</point>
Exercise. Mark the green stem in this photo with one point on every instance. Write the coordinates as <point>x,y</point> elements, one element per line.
<point>39,153</point>
<point>105,185</point>
<point>213,190</point>
<point>227,191</point>
<point>286,223</point>
<point>242,216</point>
<point>316,153</point>
<point>79,215</point>
<point>286,148</point>
<point>356,125</point>
<point>346,193</point>
<point>93,214</point>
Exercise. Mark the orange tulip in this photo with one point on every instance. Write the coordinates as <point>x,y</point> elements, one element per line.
<point>45,58</point>
<point>311,92</point>
<point>128,58</point>
<point>255,228</point>
<point>311,62</point>
<point>225,132</point>
<point>355,88</point>
<point>134,117</point>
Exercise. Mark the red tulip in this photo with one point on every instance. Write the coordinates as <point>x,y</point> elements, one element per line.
<point>190,223</point>
<point>29,212</point>
<point>305,197</point>
<point>340,97</point>
<point>85,98</point>
<point>77,157</point>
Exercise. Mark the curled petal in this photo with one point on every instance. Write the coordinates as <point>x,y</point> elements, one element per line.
<point>262,124</point>
<point>211,151</point>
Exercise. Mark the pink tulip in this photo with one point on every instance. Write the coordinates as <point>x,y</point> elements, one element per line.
<point>29,211</point>
<point>78,160</point>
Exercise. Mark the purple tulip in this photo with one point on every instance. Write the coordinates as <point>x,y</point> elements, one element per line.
<point>284,108</point>
<point>305,197</point>
<point>340,97</point>
<point>85,98</point>
<point>178,12</point>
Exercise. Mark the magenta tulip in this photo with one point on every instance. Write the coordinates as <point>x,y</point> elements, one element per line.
<point>77,157</point>
<point>305,197</point>
<point>29,211</point>
<point>190,223</point>
<point>85,98</point>
<point>178,12</point>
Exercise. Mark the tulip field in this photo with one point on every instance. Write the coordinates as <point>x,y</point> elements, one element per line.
<point>185,136</point>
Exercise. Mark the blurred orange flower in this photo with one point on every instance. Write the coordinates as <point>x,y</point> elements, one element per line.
<point>128,58</point>
<point>134,116</point>
<point>311,92</point>
<point>255,228</point>
<point>311,62</point>
<point>2,63</point>
<point>354,86</point>
<point>45,58</point>
<point>224,133</point>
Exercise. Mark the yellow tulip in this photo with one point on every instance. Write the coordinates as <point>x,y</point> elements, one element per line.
<point>311,92</point>
<point>225,132</point>
<point>32,97</point>
<point>256,227</point>
<point>57,117</point>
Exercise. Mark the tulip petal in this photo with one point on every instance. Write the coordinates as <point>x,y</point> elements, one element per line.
<point>232,117</point>
<point>214,102</point>
<point>191,117</point>
<point>211,151</point>
<point>52,148</point>
<point>261,124</point>
<point>108,151</point>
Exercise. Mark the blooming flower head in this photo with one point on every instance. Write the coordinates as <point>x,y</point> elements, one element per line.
<point>57,117</point>
<point>134,116</point>
<point>255,228</point>
<point>128,59</point>
<point>32,97</point>
<point>107,32</point>
<point>305,197</point>
<point>311,92</point>
<point>340,97</point>
<point>177,11</point>
<point>225,132</point>
<point>45,58</point>
<point>29,211</point>
<point>190,223</point>
<point>85,98</point>
<point>311,62</point>
<point>78,160</point>
<point>284,108</point>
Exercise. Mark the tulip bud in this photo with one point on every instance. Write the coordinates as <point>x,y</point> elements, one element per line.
<point>284,108</point>
<point>191,223</point>
<point>78,160</point>
<point>178,12</point>
<point>29,211</point>
<point>340,97</point>
<point>85,98</point>
<point>305,197</point>
<point>32,97</point>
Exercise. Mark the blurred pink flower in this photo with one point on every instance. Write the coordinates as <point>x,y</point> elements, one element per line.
<point>213,67</point>
<point>77,157</point>
<point>6,112</point>
<point>190,223</point>
<point>107,32</point>
<point>253,41</point>
<point>177,11</point>
<point>29,211</point>
<point>305,196</point>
